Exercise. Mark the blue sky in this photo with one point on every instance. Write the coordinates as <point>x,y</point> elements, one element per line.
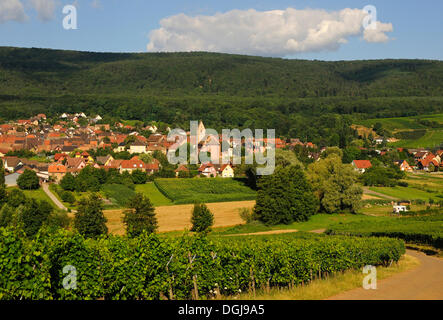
<point>414,28</point>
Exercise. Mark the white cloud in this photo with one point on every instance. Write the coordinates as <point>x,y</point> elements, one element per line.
<point>44,8</point>
<point>268,33</point>
<point>378,34</point>
<point>11,10</point>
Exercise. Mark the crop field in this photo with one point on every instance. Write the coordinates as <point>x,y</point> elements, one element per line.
<point>150,190</point>
<point>182,191</point>
<point>178,217</point>
<point>118,194</point>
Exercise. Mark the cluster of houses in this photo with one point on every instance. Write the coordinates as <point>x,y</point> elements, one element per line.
<point>424,160</point>
<point>69,140</point>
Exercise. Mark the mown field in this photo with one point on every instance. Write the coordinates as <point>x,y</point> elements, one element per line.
<point>182,191</point>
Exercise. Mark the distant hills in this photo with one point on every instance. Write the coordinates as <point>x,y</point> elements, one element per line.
<point>177,86</point>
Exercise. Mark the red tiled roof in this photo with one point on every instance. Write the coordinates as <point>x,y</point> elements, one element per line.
<point>362,164</point>
<point>57,168</point>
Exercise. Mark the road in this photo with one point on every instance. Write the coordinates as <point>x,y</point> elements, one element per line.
<point>54,199</point>
<point>422,283</point>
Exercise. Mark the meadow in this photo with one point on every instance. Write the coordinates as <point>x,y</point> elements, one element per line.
<point>38,194</point>
<point>402,123</point>
<point>408,193</point>
<point>432,137</point>
<point>183,191</point>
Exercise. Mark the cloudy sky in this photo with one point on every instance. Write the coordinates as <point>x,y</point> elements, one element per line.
<point>307,29</point>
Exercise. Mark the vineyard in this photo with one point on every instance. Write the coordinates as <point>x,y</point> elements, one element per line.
<point>197,267</point>
<point>426,230</point>
<point>183,191</point>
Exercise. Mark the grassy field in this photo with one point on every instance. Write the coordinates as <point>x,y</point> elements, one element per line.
<point>182,191</point>
<point>316,222</point>
<point>407,193</point>
<point>150,190</point>
<point>432,138</point>
<point>38,194</point>
<point>403,123</point>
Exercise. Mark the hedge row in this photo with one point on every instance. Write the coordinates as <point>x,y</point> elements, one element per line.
<point>151,267</point>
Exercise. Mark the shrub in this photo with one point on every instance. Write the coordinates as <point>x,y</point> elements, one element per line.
<point>28,180</point>
<point>284,197</point>
<point>68,197</point>
<point>16,198</point>
<point>140,216</point>
<point>34,215</point>
<point>139,177</point>
<point>59,219</point>
<point>89,219</point>
<point>202,218</point>
<point>246,214</point>
<point>68,182</point>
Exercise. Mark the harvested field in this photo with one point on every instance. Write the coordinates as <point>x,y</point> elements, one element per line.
<point>173,218</point>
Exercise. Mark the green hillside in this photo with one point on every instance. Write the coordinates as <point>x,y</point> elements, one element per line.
<point>424,131</point>
<point>221,89</point>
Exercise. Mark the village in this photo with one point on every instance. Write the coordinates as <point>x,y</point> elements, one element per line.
<point>54,148</point>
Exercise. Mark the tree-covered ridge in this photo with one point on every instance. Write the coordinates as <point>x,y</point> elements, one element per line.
<point>202,73</point>
<point>299,98</point>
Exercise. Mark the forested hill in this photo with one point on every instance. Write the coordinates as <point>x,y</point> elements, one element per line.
<point>221,88</point>
<point>57,71</point>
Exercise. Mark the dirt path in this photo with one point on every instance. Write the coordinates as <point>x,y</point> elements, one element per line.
<point>422,283</point>
<point>54,199</point>
<point>366,191</point>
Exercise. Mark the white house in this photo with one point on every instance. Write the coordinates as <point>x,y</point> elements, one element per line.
<point>398,209</point>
